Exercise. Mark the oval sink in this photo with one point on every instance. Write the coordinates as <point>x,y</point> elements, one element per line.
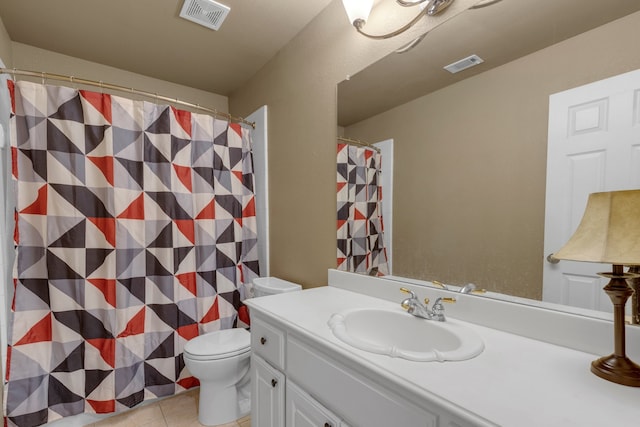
<point>399,334</point>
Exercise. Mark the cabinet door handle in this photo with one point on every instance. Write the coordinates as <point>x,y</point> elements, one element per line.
<point>263,340</point>
<point>327,425</point>
<point>274,382</point>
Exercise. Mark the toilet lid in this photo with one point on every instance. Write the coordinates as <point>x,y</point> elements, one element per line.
<point>219,344</point>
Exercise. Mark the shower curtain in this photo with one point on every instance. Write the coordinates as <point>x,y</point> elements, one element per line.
<point>361,247</point>
<point>135,232</point>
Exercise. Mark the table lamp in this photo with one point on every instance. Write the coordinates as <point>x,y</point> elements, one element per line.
<point>610,233</point>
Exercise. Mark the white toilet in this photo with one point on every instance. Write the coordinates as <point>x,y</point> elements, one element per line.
<point>220,361</point>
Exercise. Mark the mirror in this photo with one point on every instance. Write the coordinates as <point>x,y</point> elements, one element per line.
<point>470,148</point>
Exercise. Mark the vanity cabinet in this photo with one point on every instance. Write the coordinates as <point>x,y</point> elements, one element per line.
<point>296,376</point>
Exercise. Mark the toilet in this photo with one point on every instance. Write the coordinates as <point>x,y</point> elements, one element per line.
<point>220,361</point>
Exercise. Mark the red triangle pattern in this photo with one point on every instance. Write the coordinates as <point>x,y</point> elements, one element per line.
<point>16,235</point>
<point>106,347</point>
<point>209,212</point>
<point>12,91</point>
<point>243,315</point>
<point>188,281</point>
<point>340,186</point>
<point>39,207</point>
<point>236,127</point>
<point>135,210</point>
<point>188,331</point>
<point>184,175</point>
<point>39,332</point>
<point>14,160</point>
<point>101,102</point>
<point>250,209</point>
<point>107,226</point>
<point>105,164</point>
<point>358,215</point>
<point>188,382</point>
<point>102,406</point>
<point>212,314</point>
<point>186,227</point>
<point>108,289</point>
<point>135,326</point>
<point>368,154</point>
<point>183,118</point>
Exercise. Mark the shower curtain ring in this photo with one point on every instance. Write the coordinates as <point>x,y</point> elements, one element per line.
<point>14,75</point>
<point>42,75</point>
<point>101,87</point>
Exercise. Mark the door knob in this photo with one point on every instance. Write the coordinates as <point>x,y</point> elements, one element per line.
<point>552,260</point>
<point>274,382</point>
<point>263,340</point>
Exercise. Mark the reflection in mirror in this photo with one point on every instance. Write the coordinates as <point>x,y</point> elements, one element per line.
<point>471,148</point>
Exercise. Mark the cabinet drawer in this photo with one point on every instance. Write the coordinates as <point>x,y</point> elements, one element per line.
<point>352,397</point>
<point>268,341</point>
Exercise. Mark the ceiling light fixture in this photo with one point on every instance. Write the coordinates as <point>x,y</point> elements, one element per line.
<point>358,12</point>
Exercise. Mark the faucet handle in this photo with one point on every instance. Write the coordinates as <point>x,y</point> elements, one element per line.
<point>410,292</point>
<point>448,300</point>
<point>440,284</point>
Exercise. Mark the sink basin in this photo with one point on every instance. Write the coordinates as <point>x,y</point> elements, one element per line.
<point>399,334</point>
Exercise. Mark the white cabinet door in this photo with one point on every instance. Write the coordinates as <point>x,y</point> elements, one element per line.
<point>267,394</point>
<point>304,411</point>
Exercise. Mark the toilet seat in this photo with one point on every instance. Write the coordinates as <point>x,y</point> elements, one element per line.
<point>218,345</point>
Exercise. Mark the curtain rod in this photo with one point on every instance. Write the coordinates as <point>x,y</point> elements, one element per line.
<point>109,86</point>
<point>360,143</point>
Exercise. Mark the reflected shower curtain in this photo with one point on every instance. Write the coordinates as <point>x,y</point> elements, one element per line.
<point>135,232</point>
<point>361,246</point>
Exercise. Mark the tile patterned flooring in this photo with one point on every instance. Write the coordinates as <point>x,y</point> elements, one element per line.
<point>176,411</point>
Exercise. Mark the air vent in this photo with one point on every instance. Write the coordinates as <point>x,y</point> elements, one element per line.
<point>207,13</point>
<point>463,64</point>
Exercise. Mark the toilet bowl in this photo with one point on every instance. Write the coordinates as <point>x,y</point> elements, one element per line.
<point>220,361</point>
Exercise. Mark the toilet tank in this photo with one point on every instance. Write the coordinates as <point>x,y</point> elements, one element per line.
<point>263,286</point>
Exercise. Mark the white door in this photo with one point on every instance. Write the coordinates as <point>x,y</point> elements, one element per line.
<point>593,145</point>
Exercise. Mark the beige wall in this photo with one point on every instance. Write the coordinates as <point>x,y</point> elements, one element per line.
<point>299,86</point>
<point>470,163</point>
<point>31,58</point>
<point>5,46</point>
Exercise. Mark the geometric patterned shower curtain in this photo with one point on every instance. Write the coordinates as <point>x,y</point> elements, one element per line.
<point>361,247</point>
<point>135,232</point>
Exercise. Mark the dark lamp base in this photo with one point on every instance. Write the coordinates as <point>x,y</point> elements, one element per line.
<point>617,369</point>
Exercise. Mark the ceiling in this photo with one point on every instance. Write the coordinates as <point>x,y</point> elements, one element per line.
<point>499,33</point>
<point>148,36</point>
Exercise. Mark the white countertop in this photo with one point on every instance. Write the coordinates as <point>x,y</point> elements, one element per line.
<point>515,381</point>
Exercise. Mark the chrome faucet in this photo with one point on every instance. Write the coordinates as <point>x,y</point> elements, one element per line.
<point>416,308</point>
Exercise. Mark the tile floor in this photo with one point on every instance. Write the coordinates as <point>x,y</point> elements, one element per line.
<point>176,411</point>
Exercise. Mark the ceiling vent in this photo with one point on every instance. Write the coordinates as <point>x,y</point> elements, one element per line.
<point>207,13</point>
<point>463,64</point>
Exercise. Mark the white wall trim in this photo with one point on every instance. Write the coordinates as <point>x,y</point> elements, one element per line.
<point>386,148</point>
<point>261,169</point>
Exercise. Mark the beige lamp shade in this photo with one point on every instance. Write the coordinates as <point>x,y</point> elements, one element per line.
<point>609,231</point>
